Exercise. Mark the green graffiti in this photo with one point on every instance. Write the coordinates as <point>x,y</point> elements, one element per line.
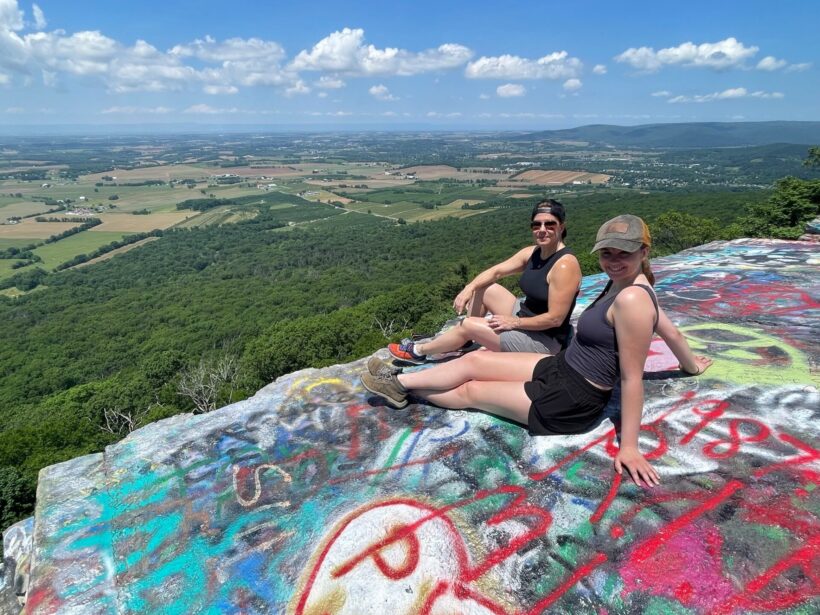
<point>744,355</point>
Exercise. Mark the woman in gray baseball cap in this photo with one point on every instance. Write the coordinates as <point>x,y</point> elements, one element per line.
<point>567,393</point>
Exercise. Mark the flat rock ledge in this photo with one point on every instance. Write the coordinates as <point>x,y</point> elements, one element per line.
<point>312,498</point>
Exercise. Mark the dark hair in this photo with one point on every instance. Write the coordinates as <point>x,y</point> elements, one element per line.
<point>551,206</point>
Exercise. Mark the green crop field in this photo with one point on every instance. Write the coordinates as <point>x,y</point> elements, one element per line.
<point>54,254</point>
<point>5,267</point>
<point>16,207</point>
<point>13,242</point>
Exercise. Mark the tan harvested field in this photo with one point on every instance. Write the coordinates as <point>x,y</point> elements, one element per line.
<point>289,171</point>
<point>129,223</point>
<point>113,253</point>
<point>547,178</point>
<point>165,172</point>
<point>520,195</point>
<point>442,171</point>
<point>31,229</point>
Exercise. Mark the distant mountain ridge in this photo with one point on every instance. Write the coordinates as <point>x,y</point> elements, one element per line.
<point>690,134</point>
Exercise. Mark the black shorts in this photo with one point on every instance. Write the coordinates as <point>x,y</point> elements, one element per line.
<point>563,402</point>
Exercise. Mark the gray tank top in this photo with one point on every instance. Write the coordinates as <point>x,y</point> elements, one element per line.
<point>593,352</point>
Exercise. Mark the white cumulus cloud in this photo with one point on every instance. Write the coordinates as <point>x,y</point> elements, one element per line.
<point>771,63</point>
<point>345,52</point>
<point>557,65</point>
<point>329,83</point>
<point>220,89</point>
<point>297,88</point>
<point>728,94</point>
<point>510,90</point>
<point>11,17</point>
<point>381,92</point>
<point>728,53</point>
<point>137,110</point>
<point>39,17</point>
<point>208,110</point>
<point>661,93</point>
<point>599,69</point>
<point>798,68</point>
<point>572,85</point>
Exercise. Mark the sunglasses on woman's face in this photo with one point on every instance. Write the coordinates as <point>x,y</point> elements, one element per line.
<point>535,225</point>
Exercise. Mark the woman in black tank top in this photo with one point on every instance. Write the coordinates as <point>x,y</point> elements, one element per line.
<point>566,393</point>
<point>550,279</point>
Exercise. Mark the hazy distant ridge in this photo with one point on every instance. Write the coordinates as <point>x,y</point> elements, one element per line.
<point>695,134</point>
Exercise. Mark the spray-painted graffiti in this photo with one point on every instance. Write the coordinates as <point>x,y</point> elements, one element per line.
<point>312,499</point>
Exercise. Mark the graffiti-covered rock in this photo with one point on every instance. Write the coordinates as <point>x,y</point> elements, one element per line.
<point>312,498</point>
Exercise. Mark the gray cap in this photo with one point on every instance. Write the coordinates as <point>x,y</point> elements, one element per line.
<point>627,233</point>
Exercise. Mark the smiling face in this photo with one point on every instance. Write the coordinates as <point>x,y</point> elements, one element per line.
<point>619,264</point>
<point>546,230</point>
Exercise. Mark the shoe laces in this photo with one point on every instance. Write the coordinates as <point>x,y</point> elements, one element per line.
<point>384,375</point>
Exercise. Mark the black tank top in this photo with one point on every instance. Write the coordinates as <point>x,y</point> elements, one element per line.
<point>593,352</point>
<point>533,282</point>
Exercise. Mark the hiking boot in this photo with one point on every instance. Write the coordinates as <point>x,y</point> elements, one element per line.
<point>377,366</point>
<point>386,386</point>
<point>405,352</point>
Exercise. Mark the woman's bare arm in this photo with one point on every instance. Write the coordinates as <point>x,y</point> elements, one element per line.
<point>514,264</point>
<point>689,362</point>
<point>633,316</point>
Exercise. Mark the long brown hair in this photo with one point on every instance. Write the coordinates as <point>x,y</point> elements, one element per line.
<point>646,269</point>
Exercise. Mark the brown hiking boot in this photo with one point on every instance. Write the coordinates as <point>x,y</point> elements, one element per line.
<point>386,386</point>
<point>377,366</point>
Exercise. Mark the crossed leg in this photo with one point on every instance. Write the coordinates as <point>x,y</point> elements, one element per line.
<point>495,299</point>
<point>488,381</point>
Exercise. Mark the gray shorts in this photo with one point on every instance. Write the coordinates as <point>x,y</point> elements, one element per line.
<point>527,341</point>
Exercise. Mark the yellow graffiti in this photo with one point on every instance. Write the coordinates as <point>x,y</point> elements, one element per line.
<point>744,355</point>
<point>307,385</point>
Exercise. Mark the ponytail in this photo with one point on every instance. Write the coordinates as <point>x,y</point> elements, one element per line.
<point>647,270</point>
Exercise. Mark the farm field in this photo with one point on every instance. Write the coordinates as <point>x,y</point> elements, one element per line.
<point>165,172</point>
<point>6,267</point>
<point>441,171</point>
<point>20,209</point>
<point>113,253</point>
<point>56,253</point>
<point>226,214</point>
<point>129,223</point>
<point>547,178</point>
<point>29,229</point>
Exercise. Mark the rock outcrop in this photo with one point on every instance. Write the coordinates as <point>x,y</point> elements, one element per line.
<point>311,498</point>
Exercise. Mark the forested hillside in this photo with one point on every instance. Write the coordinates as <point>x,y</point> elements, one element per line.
<point>202,317</point>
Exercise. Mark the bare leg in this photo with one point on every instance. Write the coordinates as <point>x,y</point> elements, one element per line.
<point>473,328</point>
<point>481,366</point>
<point>506,399</point>
<point>494,298</point>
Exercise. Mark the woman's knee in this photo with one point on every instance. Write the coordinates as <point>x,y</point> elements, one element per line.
<point>472,325</point>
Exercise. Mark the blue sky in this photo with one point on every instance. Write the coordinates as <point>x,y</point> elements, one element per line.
<point>444,64</point>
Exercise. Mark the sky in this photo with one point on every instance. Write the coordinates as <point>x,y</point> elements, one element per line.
<point>448,64</point>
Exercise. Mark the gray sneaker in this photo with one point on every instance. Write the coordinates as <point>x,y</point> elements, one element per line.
<point>386,386</point>
<point>377,366</point>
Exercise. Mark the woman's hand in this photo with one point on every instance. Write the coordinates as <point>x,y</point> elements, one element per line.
<point>701,365</point>
<point>462,300</point>
<point>639,468</point>
<point>499,322</point>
